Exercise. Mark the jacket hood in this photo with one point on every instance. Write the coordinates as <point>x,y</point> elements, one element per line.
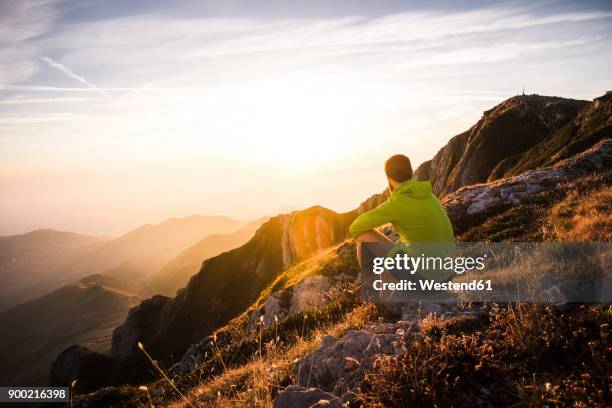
<point>414,189</point>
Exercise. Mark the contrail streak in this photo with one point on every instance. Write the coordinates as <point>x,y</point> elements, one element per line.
<point>62,68</point>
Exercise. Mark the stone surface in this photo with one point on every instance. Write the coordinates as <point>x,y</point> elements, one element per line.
<point>300,397</point>
<point>338,365</point>
<point>140,321</point>
<point>79,363</point>
<point>470,205</point>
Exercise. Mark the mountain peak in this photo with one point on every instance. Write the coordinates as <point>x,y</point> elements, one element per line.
<point>498,140</point>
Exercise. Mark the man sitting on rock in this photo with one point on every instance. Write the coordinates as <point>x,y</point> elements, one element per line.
<point>412,209</point>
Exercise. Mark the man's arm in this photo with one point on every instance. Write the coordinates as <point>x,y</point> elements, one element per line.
<point>381,215</point>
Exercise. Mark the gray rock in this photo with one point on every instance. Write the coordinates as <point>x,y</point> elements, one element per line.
<point>470,205</point>
<point>310,293</point>
<point>339,364</point>
<point>300,397</point>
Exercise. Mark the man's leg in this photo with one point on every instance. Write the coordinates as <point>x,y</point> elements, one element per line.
<point>369,236</point>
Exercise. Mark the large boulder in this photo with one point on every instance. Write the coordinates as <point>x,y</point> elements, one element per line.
<point>88,368</point>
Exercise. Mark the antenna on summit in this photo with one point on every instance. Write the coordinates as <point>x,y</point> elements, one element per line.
<point>523,90</point>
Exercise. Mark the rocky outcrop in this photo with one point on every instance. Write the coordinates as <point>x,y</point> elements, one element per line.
<point>338,365</point>
<point>140,323</point>
<point>372,202</point>
<point>87,367</point>
<point>423,172</point>
<point>311,292</point>
<point>509,129</point>
<point>315,290</point>
<point>310,231</point>
<point>592,124</point>
<point>471,205</point>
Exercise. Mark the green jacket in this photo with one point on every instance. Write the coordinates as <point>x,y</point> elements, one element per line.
<point>415,213</point>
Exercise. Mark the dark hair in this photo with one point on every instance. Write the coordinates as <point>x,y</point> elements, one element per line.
<point>398,168</point>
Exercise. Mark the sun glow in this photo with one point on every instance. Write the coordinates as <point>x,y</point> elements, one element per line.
<point>302,119</point>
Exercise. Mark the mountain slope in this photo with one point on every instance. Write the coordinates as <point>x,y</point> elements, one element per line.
<point>35,332</point>
<point>176,273</point>
<point>30,263</point>
<point>228,283</point>
<point>507,130</point>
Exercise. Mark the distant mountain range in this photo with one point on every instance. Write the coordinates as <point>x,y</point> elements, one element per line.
<point>31,264</point>
<point>35,263</point>
<point>144,250</point>
<point>86,311</point>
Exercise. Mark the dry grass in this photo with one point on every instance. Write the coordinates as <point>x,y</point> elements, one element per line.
<point>583,217</point>
<point>256,383</point>
<point>523,356</point>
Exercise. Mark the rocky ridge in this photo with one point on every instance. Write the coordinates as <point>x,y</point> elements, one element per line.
<point>504,132</point>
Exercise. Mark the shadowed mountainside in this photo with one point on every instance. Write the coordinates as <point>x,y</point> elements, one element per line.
<point>592,124</point>
<point>176,273</point>
<point>226,285</point>
<point>33,333</point>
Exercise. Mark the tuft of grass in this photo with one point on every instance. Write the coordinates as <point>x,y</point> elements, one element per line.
<point>164,375</point>
<point>583,217</point>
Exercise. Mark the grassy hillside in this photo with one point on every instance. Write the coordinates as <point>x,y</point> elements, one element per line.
<point>35,332</point>
<point>498,355</point>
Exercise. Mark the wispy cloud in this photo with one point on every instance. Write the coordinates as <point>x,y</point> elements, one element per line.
<point>64,69</point>
<point>197,96</point>
<point>25,101</point>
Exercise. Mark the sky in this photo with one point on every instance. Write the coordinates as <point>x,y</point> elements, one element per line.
<point>114,114</point>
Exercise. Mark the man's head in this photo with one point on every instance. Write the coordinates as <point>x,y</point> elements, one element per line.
<point>398,169</point>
